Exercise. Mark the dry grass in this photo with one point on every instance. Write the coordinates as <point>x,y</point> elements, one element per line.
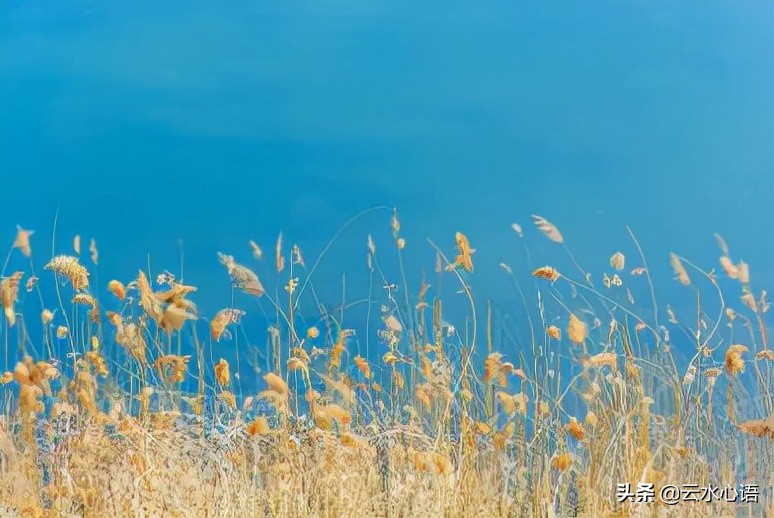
<point>111,418</point>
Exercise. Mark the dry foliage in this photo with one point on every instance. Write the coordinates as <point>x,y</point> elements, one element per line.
<point>121,406</point>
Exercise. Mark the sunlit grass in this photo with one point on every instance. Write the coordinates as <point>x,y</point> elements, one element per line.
<point>124,407</point>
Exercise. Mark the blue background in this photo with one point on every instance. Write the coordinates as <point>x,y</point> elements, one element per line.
<point>214,123</point>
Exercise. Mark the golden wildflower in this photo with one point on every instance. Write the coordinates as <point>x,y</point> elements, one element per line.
<point>9,290</point>
<point>576,330</point>
<point>561,461</point>
<point>377,388</point>
<point>759,427</point>
<point>591,419</point>
<point>259,426</point>
<point>276,384</point>
<point>513,403</point>
<point>679,269</point>
<point>767,354</point>
<point>575,429</point>
<point>88,300</point>
<point>338,347</point>
<point>363,367</point>
<point>554,332</point>
<point>400,243</point>
<point>117,288</point>
<point>729,267</point>
<point>492,365</point>
<point>312,333</point>
<point>77,244</point>
<point>94,343</point>
<point>61,332</point>
<point>482,428</point>
<point>617,261</point>
<point>6,378</point>
<point>221,320</point>
<point>148,301</point>
<point>734,361</point>
<point>69,267</point>
<point>22,241</point>
<point>222,373</point>
<point>464,258</point>
<point>241,276</point>
<point>548,229</point>
<point>548,273</point>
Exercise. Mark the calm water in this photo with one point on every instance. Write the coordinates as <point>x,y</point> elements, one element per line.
<point>154,124</point>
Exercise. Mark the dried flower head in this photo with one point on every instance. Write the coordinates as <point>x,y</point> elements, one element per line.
<point>576,330</point>
<point>464,259</point>
<point>22,241</point>
<point>223,318</point>
<point>9,290</point>
<point>734,361</point>
<point>679,269</point>
<point>759,427</point>
<point>259,426</point>
<point>69,267</point>
<point>117,288</point>
<point>729,267</point>
<point>575,429</point>
<point>363,367</point>
<point>548,229</point>
<point>257,252</point>
<point>222,373</point>
<point>561,461</point>
<point>46,316</point>
<point>241,276</point>
<point>554,332</point>
<point>617,261</point>
<point>546,272</point>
